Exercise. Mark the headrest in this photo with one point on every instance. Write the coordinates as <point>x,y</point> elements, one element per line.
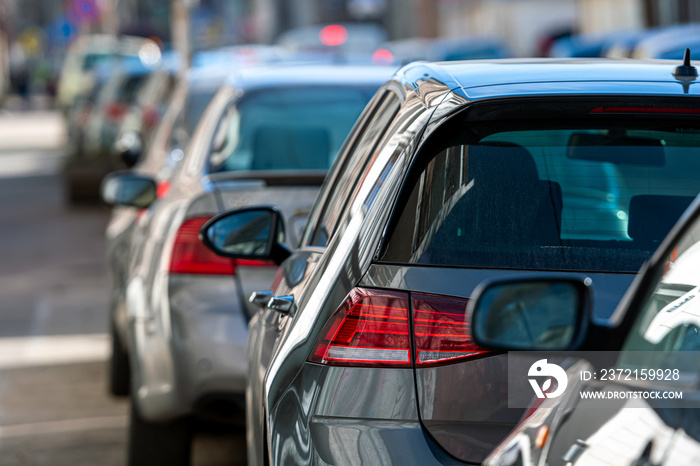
<point>508,162</point>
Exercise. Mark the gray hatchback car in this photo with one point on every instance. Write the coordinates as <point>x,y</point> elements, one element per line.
<point>454,174</point>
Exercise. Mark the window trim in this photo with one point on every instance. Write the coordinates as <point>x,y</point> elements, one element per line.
<point>381,100</point>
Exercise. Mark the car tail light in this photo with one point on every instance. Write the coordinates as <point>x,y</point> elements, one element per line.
<point>190,255</point>
<point>371,328</point>
<point>162,189</point>
<point>382,57</point>
<point>116,111</point>
<point>333,35</point>
<point>441,330</point>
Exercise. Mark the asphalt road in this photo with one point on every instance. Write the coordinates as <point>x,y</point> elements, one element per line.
<point>54,407</point>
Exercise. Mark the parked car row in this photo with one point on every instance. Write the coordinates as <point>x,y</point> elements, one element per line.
<point>180,314</point>
<point>667,42</point>
<point>363,352</point>
<point>312,247</point>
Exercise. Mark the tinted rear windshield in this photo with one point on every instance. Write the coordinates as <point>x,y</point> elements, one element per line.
<point>583,194</point>
<point>286,129</point>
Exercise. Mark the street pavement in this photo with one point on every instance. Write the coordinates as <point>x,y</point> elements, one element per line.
<point>54,406</point>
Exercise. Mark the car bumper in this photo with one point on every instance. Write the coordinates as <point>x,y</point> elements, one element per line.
<point>340,441</point>
<point>200,360</point>
<point>355,416</point>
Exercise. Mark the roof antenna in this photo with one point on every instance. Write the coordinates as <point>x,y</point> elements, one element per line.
<point>686,71</point>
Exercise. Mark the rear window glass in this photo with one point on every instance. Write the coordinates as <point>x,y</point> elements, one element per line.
<point>283,129</point>
<point>586,195</point>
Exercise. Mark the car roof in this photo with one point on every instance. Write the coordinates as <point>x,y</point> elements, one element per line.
<point>259,77</point>
<point>482,79</point>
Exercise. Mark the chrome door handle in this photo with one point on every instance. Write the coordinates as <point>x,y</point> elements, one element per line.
<point>260,298</point>
<point>282,304</point>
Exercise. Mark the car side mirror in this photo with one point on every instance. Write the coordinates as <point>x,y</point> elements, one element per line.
<point>537,314</point>
<point>129,148</point>
<point>125,188</point>
<point>251,233</point>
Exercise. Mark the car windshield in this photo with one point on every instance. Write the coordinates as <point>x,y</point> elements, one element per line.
<point>577,195</point>
<point>286,129</point>
<point>196,103</point>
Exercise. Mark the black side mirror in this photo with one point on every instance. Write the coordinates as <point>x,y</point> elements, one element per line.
<point>129,147</point>
<point>251,233</point>
<point>126,188</point>
<point>537,314</point>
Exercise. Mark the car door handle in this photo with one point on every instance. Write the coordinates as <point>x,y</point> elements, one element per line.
<point>260,298</point>
<point>282,304</point>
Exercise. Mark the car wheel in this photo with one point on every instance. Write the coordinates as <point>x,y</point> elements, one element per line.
<point>158,443</point>
<point>119,370</point>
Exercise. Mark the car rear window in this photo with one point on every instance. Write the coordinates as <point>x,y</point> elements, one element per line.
<point>589,194</point>
<point>286,129</point>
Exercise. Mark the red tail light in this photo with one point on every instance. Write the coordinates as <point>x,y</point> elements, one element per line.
<point>116,111</point>
<point>369,329</point>
<point>382,57</point>
<point>191,256</point>
<point>150,115</point>
<point>441,330</point>
<point>372,329</point>
<point>162,189</point>
<point>333,35</point>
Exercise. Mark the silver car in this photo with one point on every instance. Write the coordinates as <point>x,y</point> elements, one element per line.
<point>456,173</point>
<point>158,161</point>
<point>268,137</point>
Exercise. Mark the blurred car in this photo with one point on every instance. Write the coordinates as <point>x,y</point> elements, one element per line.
<point>669,42</point>
<point>160,158</point>
<point>85,167</point>
<point>455,173</point>
<point>268,136</point>
<point>240,55</point>
<point>444,49</point>
<point>83,55</point>
<point>151,98</point>
<point>655,329</point>
<point>340,43</point>
<point>80,112</point>
<point>624,44</point>
<point>581,46</point>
